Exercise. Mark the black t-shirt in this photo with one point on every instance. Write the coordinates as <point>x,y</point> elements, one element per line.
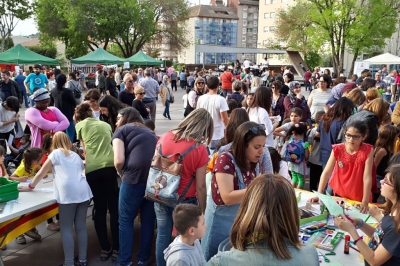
<point>139,105</point>
<point>65,101</point>
<point>385,234</point>
<point>284,90</point>
<point>126,97</point>
<point>140,144</point>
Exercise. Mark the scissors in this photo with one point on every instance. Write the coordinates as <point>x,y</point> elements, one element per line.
<point>325,258</point>
<point>330,253</point>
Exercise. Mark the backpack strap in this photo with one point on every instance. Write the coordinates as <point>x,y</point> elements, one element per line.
<point>238,172</point>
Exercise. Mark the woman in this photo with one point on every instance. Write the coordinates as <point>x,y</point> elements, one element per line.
<point>199,89</point>
<point>296,99</point>
<point>255,84</point>
<point>330,126</point>
<point>111,85</point>
<point>327,72</point>
<point>95,138</point>
<point>138,102</point>
<point>278,108</point>
<point>198,128</point>
<point>133,145</point>
<point>320,96</point>
<point>266,228</point>
<point>258,112</point>
<point>373,114</point>
<point>233,171</point>
<point>75,87</point>
<point>384,246</point>
<point>109,107</point>
<point>337,90</point>
<point>102,81</point>
<point>52,82</point>
<point>357,97</point>
<point>43,119</point>
<point>166,95</point>
<point>64,100</point>
<point>72,194</point>
<point>92,98</point>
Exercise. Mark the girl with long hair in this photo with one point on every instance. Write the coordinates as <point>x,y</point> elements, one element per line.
<point>109,107</point>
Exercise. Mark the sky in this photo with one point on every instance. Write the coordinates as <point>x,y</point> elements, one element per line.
<point>28,27</point>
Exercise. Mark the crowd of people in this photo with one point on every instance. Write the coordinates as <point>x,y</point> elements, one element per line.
<point>236,157</point>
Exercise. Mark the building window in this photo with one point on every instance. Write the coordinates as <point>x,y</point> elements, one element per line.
<point>267,2</point>
<point>255,16</point>
<point>254,38</point>
<point>273,1</point>
<point>272,14</point>
<point>243,38</point>
<point>271,28</point>
<point>265,42</point>
<point>249,29</point>
<point>244,31</point>
<point>244,23</point>
<point>243,44</point>
<point>255,31</point>
<point>266,15</point>
<point>284,1</point>
<point>245,7</point>
<point>244,15</point>
<point>266,29</point>
<point>255,23</point>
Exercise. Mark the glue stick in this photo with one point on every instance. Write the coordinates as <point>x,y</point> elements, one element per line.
<point>346,244</point>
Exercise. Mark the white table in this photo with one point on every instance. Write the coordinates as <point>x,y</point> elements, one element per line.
<point>352,258</point>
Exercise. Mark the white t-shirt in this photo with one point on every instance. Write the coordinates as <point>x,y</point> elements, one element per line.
<point>70,185</point>
<point>284,170</point>
<point>6,115</point>
<point>184,100</point>
<point>215,104</point>
<point>246,64</point>
<point>260,116</point>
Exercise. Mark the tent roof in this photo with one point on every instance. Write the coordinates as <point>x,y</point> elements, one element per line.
<point>384,59</point>
<point>141,58</point>
<point>21,55</point>
<point>98,56</point>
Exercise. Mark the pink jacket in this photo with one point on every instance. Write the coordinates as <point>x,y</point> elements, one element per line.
<point>36,122</point>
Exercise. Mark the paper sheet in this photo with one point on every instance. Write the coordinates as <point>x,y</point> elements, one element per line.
<point>357,214</point>
<point>47,190</point>
<point>330,204</point>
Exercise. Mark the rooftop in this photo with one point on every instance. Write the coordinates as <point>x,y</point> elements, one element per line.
<point>207,11</point>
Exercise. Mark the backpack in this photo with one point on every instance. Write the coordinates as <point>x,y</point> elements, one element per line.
<point>165,176</point>
<point>295,151</point>
<point>76,91</point>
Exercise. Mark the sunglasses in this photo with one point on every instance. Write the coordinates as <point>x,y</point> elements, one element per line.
<point>200,82</point>
<point>257,129</point>
<point>355,137</point>
<point>130,81</point>
<point>386,182</point>
<point>141,93</point>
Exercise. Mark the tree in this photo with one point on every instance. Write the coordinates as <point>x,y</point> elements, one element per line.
<point>341,24</point>
<point>11,12</point>
<point>45,51</point>
<point>8,43</point>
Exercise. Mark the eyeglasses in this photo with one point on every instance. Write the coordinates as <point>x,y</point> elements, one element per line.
<point>130,81</point>
<point>256,129</point>
<point>355,137</point>
<point>200,83</point>
<point>385,181</point>
<point>140,93</point>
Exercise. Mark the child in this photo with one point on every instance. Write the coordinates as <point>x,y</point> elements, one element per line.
<point>313,161</point>
<point>232,105</point>
<point>191,80</point>
<point>15,149</point>
<point>384,148</point>
<point>3,171</point>
<point>237,87</point>
<point>350,165</point>
<point>29,166</point>
<point>281,132</point>
<point>150,124</point>
<point>248,101</point>
<point>297,153</point>
<point>186,249</point>
<point>280,166</point>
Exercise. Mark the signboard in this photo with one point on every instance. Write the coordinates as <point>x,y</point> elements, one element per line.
<point>360,66</point>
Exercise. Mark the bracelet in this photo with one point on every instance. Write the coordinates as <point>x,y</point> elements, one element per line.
<point>358,239</point>
<point>360,224</point>
<point>30,186</point>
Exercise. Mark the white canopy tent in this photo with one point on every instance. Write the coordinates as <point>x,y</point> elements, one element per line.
<point>387,58</point>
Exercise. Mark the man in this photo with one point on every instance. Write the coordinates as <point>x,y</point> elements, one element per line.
<point>151,88</point>
<point>8,87</point>
<point>140,73</point>
<point>127,96</point>
<point>380,84</point>
<point>174,77</point>
<point>20,78</point>
<point>218,109</point>
<point>8,116</point>
<point>226,80</point>
<point>36,80</point>
<point>384,71</point>
<point>302,67</point>
<point>82,79</point>
<point>364,74</point>
<point>246,64</point>
<point>287,70</point>
<point>391,85</point>
<point>182,79</point>
<point>117,78</point>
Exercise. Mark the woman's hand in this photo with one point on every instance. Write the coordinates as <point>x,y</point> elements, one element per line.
<point>343,223</point>
<point>313,200</point>
<point>364,207</point>
<point>24,189</point>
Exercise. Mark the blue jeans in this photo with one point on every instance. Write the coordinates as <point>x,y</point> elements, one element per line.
<point>213,145</point>
<point>166,109</point>
<point>225,92</point>
<point>23,92</point>
<point>164,224</point>
<point>70,131</point>
<point>387,97</point>
<point>131,199</point>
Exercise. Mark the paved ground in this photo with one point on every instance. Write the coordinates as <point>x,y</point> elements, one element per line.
<point>48,251</point>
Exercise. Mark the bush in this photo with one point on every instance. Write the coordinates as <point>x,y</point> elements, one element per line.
<point>45,51</point>
<point>8,43</point>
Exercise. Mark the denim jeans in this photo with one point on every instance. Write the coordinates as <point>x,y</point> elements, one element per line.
<point>213,145</point>
<point>225,92</point>
<point>166,109</point>
<point>131,200</point>
<point>70,131</point>
<point>26,99</point>
<point>387,97</point>
<point>164,224</point>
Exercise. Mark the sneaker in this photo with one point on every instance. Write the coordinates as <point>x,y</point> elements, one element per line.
<point>20,240</point>
<point>114,255</point>
<point>53,227</point>
<point>77,262</point>
<point>33,233</point>
<point>105,255</point>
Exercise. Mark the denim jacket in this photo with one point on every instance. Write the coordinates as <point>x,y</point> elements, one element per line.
<point>307,255</point>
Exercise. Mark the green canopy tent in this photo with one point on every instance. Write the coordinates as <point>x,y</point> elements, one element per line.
<point>98,56</point>
<point>21,55</point>
<point>141,58</point>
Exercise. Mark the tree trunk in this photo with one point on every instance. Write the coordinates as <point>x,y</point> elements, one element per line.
<point>352,63</point>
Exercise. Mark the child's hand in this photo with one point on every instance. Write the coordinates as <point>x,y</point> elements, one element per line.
<point>23,179</point>
<point>46,176</point>
<point>374,211</point>
<point>343,223</point>
<point>313,200</point>
<point>364,207</point>
<point>24,189</point>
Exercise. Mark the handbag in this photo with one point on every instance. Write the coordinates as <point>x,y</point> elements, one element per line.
<point>171,97</point>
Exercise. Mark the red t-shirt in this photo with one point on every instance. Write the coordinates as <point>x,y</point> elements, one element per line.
<point>224,164</point>
<point>348,173</point>
<point>226,80</point>
<point>49,116</point>
<point>196,158</point>
<point>307,76</point>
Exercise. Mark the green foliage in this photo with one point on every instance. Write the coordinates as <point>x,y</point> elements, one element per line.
<point>45,51</point>
<point>312,60</point>
<point>8,43</point>
<point>326,60</point>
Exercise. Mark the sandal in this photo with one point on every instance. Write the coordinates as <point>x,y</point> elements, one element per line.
<point>114,255</point>
<point>105,255</point>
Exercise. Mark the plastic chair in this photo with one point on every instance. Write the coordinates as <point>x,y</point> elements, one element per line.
<point>225,245</point>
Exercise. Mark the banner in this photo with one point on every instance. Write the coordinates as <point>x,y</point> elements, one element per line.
<point>360,66</point>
